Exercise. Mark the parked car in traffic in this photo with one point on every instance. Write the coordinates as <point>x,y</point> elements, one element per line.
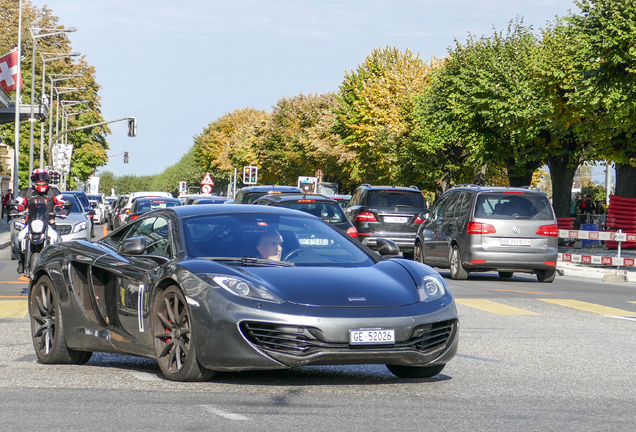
<point>249,194</point>
<point>145,205</point>
<point>100,209</point>
<point>479,228</point>
<point>130,199</point>
<point>387,212</point>
<point>114,221</point>
<point>83,199</point>
<point>77,225</point>
<point>212,200</point>
<point>320,206</point>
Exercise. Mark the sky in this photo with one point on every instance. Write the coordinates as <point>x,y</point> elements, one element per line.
<point>179,65</point>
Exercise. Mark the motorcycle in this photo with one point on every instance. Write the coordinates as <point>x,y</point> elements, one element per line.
<point>34,232</point>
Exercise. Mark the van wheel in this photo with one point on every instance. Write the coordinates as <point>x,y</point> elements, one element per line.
<point>546,276</point>
<point>419,252</point>
<point>505,275</point>
<point>457,270</point>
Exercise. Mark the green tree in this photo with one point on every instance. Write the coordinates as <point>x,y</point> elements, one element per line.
<point>374,115</point>
<point>605,32</point>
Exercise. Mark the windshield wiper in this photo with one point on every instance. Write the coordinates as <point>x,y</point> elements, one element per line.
<point>248,261</point>
<point>523,217</point>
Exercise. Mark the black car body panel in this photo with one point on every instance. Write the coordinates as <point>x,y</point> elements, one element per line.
<point>107,299</point>
<point>249,194</point>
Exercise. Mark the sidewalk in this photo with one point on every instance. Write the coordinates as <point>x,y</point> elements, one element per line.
<point>5,234</point>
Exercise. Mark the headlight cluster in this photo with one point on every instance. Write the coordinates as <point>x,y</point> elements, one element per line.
<point>431,288</point>
<point>37,226</point>
<point>80,227</point>
<point>242,288</point>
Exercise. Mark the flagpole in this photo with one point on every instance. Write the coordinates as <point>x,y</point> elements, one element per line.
<point>16,152</point>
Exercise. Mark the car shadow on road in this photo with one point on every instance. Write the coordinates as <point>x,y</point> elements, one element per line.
<point>300,376</point>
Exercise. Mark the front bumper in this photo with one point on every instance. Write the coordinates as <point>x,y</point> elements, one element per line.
<point>233,338</point>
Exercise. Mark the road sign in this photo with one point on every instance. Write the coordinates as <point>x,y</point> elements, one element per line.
<point>206,189</point>
<point>207,180</point>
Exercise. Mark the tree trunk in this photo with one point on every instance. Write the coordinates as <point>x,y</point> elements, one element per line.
<point>518,180</point>
<point>625,181</point>
<point>480,176</point>
<point>442,185</point>
<point>562,177</point>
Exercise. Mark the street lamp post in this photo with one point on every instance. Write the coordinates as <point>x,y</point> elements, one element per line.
<point>57,133</point>
<point>44,62</point>
<point>35,35</point>
<point>58,92</point>
<point>16,143</point>
<point>55,78</point>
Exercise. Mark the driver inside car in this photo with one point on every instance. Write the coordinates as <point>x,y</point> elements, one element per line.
<point>270,246</point>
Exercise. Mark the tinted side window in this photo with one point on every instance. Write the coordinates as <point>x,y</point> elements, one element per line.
<point>466,201</point>
<point>438,208</point>
<point>453,203</point>
<point>157,234</point>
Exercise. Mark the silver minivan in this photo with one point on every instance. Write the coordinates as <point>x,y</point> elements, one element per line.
<point>481,228</point>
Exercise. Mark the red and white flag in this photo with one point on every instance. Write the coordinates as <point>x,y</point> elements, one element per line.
<point>9,71</point>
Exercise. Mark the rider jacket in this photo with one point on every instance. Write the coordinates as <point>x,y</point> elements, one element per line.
<point>52,197</point>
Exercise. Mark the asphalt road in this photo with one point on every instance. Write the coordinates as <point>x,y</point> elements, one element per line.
<point>532,356</point>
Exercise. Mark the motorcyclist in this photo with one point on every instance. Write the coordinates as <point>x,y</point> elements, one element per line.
<point>39,193</point>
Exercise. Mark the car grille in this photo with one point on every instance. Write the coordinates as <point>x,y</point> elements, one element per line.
<point>297,340</point>
<point>64,229</point>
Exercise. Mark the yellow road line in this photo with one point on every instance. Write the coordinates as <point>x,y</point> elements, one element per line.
<point>632,302</point>
<point>13,309</point>
<point>14,282</point>
<point>492,307</point>
<point>105,230</point>
<point>589,307</point>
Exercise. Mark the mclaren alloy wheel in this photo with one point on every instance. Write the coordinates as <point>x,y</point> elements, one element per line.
<point>172,327</point>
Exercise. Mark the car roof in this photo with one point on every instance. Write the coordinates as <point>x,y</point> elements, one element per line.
<point>203,209</point>
<point>400,188</point>
<point>478,189</point>
<point>296,197</point>
<point>265,188</point>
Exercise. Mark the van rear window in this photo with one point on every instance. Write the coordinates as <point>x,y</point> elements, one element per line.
<point>513,206</point>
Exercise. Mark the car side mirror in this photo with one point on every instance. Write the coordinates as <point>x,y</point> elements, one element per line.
<point>67,203</point>
<point>387,247</point>
<point>425,214</point>
<point>132,246</point>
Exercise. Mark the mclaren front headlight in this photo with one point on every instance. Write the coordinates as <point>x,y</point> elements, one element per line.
<point>241,288</point>
<point>431,288</point>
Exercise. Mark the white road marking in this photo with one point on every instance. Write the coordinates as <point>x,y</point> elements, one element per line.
<point>628,318</point>
<point>145,376</point>
<point>227,415</point>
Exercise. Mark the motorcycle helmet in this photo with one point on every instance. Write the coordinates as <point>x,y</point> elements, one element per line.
<point>40,180</point>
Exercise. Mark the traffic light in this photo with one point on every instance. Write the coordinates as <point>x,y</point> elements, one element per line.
<point>126,158</point>
<point>250,174</point>
<point>132,127</point>
<point>183,187</point>
<point>54,178</point>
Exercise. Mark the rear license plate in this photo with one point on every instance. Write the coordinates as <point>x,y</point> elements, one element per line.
<point>515,242</point>
<point>395,219</point>
<point>360,337</point>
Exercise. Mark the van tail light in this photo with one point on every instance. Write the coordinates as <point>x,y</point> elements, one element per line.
<point>133,217</point>
<point>480,228</point>
<point>365,217</point>
<point>418,220</point>
<point>548,230</point>
<point>353,232</point>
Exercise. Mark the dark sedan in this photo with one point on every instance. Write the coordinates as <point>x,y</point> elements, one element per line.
<point>325,208</point>
<point>233,287</point>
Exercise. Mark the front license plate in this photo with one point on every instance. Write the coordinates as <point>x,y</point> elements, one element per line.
<point>395,219</point>
<point>515,242</point>
<point>360,337</point>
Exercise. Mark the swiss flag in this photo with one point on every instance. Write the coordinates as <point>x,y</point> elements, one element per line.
<point>9,71</point>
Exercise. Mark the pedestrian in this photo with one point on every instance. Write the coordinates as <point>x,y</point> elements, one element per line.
<point>8,197</point>
<point>600,208</point>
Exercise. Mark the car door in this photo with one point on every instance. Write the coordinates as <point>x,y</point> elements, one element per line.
<point>431,231</point>
<point>131,277</point>
<point>448,227</point>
